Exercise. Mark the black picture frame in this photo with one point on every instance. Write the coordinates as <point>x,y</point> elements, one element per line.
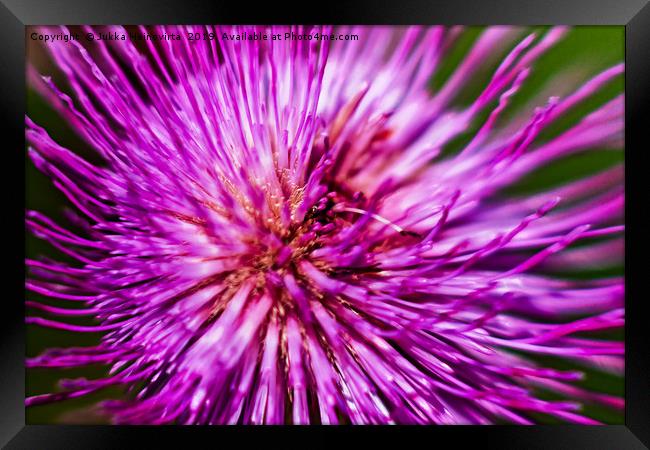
<point>16,14</point>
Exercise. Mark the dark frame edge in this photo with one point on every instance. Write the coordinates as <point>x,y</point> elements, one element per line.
<point>540,437</point>
<point>402,12</point>
<point>12,328</point>
<point>637,114</point>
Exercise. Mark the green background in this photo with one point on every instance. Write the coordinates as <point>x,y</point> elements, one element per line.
<point>584,52</point>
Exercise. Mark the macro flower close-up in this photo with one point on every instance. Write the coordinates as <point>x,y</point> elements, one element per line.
<point>325,225</point>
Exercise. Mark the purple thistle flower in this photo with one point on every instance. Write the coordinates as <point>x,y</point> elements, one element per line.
<point>274,235</point>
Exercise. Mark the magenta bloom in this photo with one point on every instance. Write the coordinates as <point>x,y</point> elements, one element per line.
<point>275,236</point>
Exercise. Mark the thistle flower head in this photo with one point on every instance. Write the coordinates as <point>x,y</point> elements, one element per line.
<point>275,235</point>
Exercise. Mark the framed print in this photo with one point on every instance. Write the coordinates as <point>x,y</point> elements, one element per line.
<point>383,219</point>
